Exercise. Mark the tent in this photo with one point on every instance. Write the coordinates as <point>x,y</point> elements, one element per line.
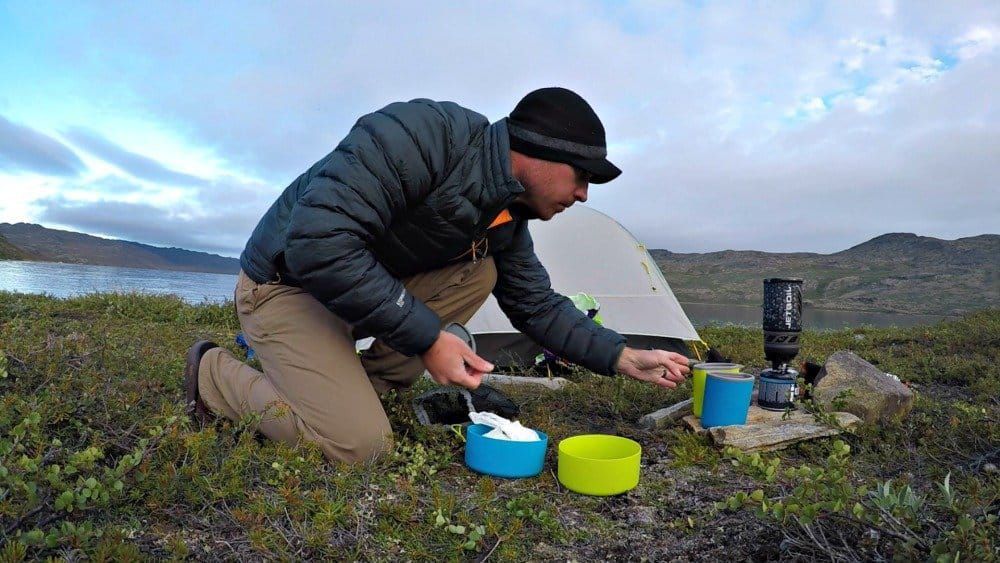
<point>587,251</point>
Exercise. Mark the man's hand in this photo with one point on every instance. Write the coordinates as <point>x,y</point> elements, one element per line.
<point>660,367</point>
<point>450,361</point>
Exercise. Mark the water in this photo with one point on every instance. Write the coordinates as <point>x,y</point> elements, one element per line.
<point>702,314</point>
<point>67,280</point>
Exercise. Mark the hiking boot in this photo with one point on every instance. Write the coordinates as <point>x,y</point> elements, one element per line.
<point>196,408</point>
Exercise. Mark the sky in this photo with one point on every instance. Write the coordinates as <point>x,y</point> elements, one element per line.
<point>777,126</point>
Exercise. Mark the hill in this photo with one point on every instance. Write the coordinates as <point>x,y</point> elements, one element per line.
<point>895,272</point>
<point>26,241</point>
<point>10,252</point>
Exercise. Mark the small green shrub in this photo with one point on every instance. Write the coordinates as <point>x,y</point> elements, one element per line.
<point>818,503</point>
<point>413,460</point>
<point>469,536</point>
<point>691,449</point>
<point>46,482</point>
<point>527,507</point>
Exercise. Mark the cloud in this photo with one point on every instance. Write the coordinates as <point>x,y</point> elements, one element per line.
<point>926,165</point>
<point>977,41</point>
<point>812,108</point>
<point>133,163</point>
<point>217,217</point>
<point>23,149</point>
<point>835,121</point>
<point>887,8</point>
<point>113,185</point>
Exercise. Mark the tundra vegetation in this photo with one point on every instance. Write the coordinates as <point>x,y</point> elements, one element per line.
<point>98,459</point>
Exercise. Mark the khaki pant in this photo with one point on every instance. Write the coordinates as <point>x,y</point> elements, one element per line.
<point>314,385</point>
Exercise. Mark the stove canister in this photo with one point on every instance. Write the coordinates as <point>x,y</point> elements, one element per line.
<point>776,390</point>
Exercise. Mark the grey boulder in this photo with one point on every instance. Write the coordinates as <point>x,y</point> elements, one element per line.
<point>864,390</point>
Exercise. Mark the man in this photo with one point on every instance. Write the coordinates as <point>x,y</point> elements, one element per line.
<point>408,225</point>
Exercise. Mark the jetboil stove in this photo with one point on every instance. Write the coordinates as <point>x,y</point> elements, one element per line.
<point>782,326</point>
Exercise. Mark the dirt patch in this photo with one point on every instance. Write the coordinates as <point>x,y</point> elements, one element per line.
<point>669,516</point>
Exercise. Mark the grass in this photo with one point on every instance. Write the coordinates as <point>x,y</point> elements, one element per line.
<point>92,386</point>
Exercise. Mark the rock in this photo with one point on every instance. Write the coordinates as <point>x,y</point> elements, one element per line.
<point>867,392</point>
<point>666,415</point>
<point>989,468</point>
<point>643,515</point>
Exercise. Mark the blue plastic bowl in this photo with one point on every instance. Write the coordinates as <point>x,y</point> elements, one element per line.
<point>503,458</point>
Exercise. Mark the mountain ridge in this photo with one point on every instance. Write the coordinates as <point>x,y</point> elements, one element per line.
<point>38,243</point>
<point>894,272</point>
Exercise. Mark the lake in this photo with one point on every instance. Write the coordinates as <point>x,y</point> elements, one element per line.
<point>702,314</point>
<point>67,280</point>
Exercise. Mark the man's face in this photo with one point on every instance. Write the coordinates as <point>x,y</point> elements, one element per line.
<point>551,187</point>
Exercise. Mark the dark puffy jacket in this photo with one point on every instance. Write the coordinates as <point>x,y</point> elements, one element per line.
<point>409,190</point>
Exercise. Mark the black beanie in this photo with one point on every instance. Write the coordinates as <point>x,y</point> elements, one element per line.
<point>558,125</point>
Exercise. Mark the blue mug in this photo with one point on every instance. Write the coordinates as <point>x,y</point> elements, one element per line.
<point>727,399</point>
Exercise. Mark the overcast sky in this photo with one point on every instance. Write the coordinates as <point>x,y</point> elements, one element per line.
<point>794,126</point>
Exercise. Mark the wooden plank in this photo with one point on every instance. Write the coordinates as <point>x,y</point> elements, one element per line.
<point>777,434</point>
<point>666,416</point>
<point>755,415</point>
<point>766,431</point>
<point>554,383</point>
<point>694,424</point>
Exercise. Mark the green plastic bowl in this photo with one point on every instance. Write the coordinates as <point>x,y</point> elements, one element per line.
<point>698,373</point>
<point>599,464</point>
